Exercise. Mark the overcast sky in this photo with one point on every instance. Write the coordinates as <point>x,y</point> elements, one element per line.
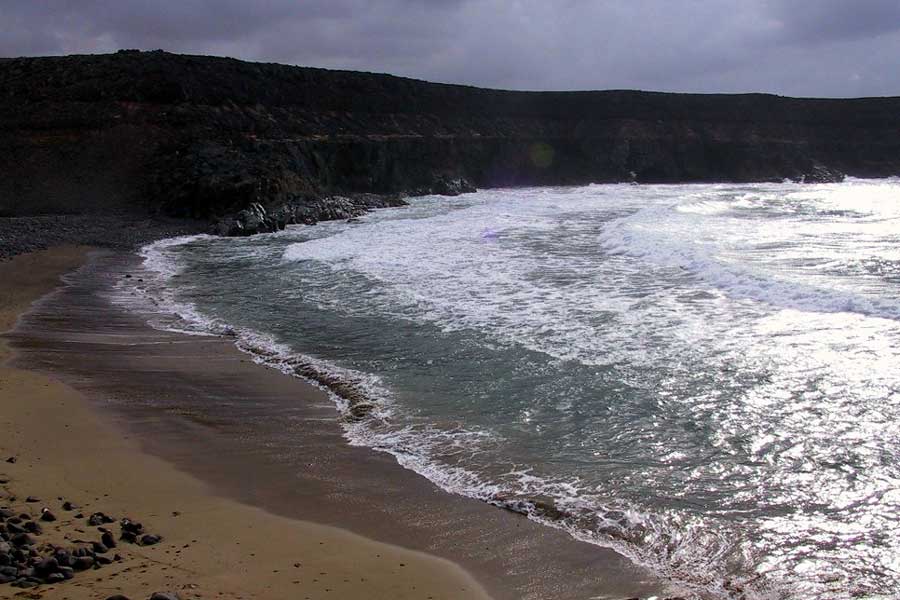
<point>791,47</point>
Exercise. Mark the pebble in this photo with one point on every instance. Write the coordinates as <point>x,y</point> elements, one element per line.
<point>108,540</point>
<point>23,564</point>
<point>33,527</point>
<point>98,518</point>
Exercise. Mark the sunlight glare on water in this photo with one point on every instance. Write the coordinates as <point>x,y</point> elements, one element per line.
<point>705,377</point>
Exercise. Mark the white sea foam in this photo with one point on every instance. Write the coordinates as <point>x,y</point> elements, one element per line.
<point>717,281</point>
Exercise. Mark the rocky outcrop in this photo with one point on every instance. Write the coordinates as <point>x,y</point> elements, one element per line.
<point>257,219</point>
<point>255,146</point>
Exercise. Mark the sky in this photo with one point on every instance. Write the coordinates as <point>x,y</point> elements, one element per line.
<point>834,48</point>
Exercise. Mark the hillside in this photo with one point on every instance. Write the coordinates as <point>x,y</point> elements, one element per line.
<point>203,137</point>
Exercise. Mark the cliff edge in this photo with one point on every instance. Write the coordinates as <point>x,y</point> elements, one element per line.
<point>204,137</point>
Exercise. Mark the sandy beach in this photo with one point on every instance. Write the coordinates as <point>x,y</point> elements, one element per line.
<point>64,450</point>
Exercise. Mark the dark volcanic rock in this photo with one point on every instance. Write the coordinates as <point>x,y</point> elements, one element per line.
<point>13,527</point>
<point>131,527</point>
<point>152,133</point>
<point>108,540</point>
<point>99,548</point>
<point>129,536</point>
<point>150,539</point>
<point>22,539</point>
<point>99,518</point>
<point>33,527</point>
<point>82,563</point>
<point>46,566</point>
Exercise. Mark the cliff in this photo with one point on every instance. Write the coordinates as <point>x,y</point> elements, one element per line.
<point>203,137</point>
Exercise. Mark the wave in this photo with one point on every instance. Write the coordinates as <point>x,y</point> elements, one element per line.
<point>700,561</point>
<point>663,237</point>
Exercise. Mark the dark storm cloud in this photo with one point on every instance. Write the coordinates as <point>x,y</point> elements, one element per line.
<point>830,20</point>
<point>795,47</point>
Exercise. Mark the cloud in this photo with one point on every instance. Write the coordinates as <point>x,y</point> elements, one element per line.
<point>793,47</point>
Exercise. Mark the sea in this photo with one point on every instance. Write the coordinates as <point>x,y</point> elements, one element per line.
<point>705,378</point>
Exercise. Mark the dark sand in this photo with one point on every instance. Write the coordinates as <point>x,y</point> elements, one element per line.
<point>212,546</point>
<point>273,441</point>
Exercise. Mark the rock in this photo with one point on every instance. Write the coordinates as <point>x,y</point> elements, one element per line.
<point>98,518</point>
<point>5,513</point>
<point>9,571</point>
<point>83,563</point>
<point>99,548</point>
<point>449,186</point>
<point>46,566</point>
<point>33,527</point>
<point>55,578</point>
<point>6,578</point>
<point>132,526</point>
<point>68,506</point>
<point>67,572</point>
<point>13,527</point>
<point>47,516</point>
<point>32,499</point>
<point>103,560</point>
<point>128,536</point>
<point>22,539</point>
<point>11,460</point>
<point>117,597</point>
<point>63,557</point>
<point>150,539</point>
<point>819,173</point>
<point>165,596</point>
<point>108,540</point>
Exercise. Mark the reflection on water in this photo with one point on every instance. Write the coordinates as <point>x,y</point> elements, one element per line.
<point>705,377</point>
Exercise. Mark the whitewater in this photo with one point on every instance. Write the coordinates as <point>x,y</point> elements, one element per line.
<point>704,377</point>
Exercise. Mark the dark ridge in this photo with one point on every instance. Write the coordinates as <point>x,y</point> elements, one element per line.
<point>204,137</point>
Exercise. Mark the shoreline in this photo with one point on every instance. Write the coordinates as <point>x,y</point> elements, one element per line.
<point>354,488</point>
<point>211,546</point>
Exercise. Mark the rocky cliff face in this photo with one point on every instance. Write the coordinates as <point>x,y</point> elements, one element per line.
<point>207,137</point>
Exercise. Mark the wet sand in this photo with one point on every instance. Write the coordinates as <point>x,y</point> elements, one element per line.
<point>64,449</point>
<point>273,442</point>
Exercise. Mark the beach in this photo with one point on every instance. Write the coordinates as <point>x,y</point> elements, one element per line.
<point>65,450</point>
<point>120,418</point>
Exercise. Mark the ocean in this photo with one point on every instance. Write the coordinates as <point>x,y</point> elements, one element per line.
<point>705,378</point>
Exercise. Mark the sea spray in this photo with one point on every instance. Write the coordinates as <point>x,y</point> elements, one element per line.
<point>660,369</point>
